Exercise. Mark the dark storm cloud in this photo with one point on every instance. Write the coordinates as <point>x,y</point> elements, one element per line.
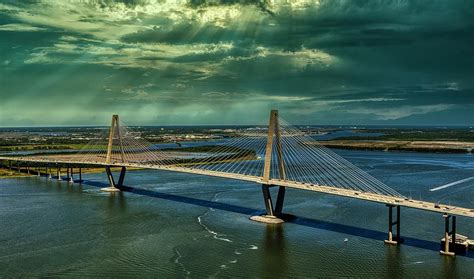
<point>262,5</point>
<point>333,24</point>
<point>386,61</point>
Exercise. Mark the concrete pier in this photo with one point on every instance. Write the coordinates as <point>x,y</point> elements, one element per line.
<point>393,240</point>
<point>114,187</point>
<point>268,219</point>
<point>449,248</point>
<point>70,175</point>
<point>274,214</point>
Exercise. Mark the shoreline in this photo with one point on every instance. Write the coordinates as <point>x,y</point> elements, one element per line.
<point>7,173</point>
<point>403,146</point>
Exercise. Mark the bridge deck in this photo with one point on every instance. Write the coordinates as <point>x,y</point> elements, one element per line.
<point>385,199</point>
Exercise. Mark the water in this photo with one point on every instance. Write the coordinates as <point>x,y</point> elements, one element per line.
<point>345,133</point>
<point>181,225</point>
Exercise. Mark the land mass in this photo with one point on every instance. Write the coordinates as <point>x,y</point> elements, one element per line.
<point>65,140</point>
<point>402,145</point>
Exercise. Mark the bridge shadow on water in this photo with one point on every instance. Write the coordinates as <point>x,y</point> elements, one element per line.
<point>302,221</point>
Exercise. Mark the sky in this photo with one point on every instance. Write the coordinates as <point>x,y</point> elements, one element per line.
<point>212,62</point>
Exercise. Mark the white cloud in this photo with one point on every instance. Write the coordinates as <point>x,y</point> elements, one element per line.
<point>133,55</point>
<point>454,86</point>
<point>99,29</point>
<point>254,97</point>
<point>113,20</point>
<point>400,112</point>
<point>313,105</point>
<point>40,58</point>
<point>293,4</point>
<point>20,27</point>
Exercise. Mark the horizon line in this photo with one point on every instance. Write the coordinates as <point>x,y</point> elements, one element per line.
<point>243,125</point>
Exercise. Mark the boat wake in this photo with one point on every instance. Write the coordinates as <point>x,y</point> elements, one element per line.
<point>452,184</point>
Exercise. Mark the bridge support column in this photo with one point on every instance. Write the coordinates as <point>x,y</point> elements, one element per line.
<point>59,174</point>
<point>114,187</point>
<point>80,175</point>
<point>274,214</point>
<point>280,200</point>
<point>71,178</point>
<point>391,239</point>
<point>449,247</point>
<point>267,198</point>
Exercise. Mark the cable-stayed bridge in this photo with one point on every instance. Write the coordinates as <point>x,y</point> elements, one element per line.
<point>279,155</point>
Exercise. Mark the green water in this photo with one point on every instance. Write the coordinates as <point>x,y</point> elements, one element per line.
<point>181,225</point>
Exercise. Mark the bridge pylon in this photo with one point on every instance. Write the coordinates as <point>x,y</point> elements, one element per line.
<point>274,142</point>
<point>114,133</point>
